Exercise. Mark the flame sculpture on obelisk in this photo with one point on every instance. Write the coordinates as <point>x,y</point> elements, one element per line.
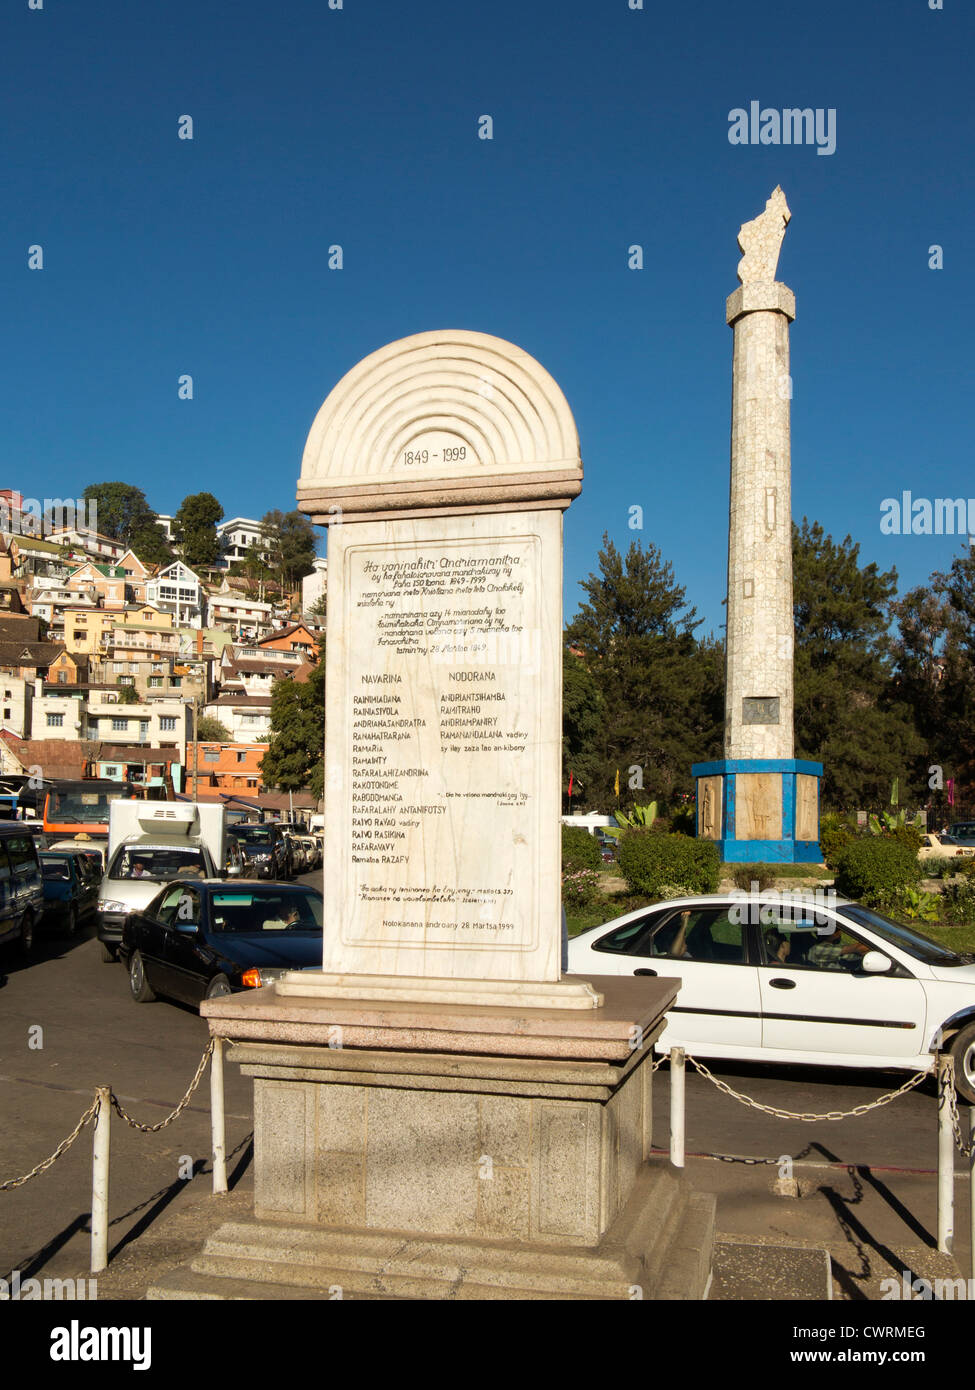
<point>759,802</point>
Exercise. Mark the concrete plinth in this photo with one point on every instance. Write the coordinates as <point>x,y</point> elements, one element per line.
<point>461,1152</point>
<point>760,810</point>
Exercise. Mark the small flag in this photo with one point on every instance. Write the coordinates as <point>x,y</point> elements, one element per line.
<point>617,787</point>
<point>570,783</point>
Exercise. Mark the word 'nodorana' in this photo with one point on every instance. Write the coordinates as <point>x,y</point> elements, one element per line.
<point>16,1290</point>
<point>771,907</point>
<point>77,1343</point>
<point>37,518</point>
<point>792,126</point>
<point>919,516</point>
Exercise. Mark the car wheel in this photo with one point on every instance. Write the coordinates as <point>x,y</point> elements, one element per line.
<point>962,1048</point>
<point>27,935</point>
<point>142,991</point>
<point>218,987</point>
<point>109,953</point>
<point>71,925</point>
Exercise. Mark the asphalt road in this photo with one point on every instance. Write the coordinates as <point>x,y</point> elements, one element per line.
<point>68,1023</point>
<point>92,1033</point>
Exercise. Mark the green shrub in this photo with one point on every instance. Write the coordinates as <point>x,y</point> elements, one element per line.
<point>942,866</point>
<point>579,888</point>
<point>761,876</point>
<point>958,903</point>
<point>873,870</point>
<point>683,819</point>
<point>965,866</point>
<point>579,849</point>
<point>650,863</point>
<point>916,905</point>
<point>907,835</point>
<point>833,840</point>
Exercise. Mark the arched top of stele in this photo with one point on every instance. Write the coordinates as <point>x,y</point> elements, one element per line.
<point>444,421</point>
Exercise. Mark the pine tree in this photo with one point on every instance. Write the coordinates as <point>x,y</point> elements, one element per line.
<point>849,714</point>
<point>662,689</point>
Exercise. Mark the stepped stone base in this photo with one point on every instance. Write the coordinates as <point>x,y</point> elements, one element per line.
<point>658,1248</point>
<point>514,1161</point>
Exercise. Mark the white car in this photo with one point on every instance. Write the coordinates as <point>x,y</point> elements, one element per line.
<point>934,847</point>
<point>777,977</point>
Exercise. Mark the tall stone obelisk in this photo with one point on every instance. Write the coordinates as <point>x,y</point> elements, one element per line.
<point>760,803</point>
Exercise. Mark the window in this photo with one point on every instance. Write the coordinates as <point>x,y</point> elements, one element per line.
<point>176,681</point>
<point>210,756</point>
<point>689,934</point>
<point>241,757</point>
<point>804,946</point>
<point>167,721</point>
<point>120,726</point>
<point>55,721</point>
<point>155,682</point>
<point>62,678</point>
<point>6,714</point>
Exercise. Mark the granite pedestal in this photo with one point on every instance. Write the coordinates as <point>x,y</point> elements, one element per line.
<point>423,1150</point>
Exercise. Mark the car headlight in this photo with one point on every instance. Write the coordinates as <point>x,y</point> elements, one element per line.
<point>108,905</point>
<point>255,978</point>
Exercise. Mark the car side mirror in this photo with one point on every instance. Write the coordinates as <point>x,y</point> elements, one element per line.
<point>876,963</point>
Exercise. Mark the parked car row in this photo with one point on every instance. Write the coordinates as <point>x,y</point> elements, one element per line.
<point>51,887</point>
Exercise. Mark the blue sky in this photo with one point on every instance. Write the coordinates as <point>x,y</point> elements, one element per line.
<point>358,126</point>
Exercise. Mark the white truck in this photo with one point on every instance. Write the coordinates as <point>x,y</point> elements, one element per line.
<point>150,843</point>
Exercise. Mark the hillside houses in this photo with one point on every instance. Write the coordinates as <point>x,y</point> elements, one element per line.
<point>106,663</point>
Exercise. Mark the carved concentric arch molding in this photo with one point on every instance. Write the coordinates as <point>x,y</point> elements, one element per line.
<point>448,420</point>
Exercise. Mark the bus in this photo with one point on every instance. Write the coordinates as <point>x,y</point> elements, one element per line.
<point>81,808</point>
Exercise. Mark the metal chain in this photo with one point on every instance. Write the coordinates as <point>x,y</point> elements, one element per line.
<point>950,1095</point>
<point>793,1115</point>
<point>151,1129</point>
<point>61,1148</point>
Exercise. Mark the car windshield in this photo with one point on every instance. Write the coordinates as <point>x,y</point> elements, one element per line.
<point>273,911</point>
<point>56,869</point>
<point>253,834</point>
<point>80,807</point>
<point>916,945</point>
<point>157,865</point>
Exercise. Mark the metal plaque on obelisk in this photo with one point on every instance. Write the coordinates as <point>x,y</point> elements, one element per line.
<point>760,802</point>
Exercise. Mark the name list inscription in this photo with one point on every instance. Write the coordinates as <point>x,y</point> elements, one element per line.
<point>442,718</point>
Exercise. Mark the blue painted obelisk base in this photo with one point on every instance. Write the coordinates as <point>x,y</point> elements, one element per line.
<point>786,848</point>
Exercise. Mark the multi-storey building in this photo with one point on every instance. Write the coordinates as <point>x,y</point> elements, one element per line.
<point>177,590</point>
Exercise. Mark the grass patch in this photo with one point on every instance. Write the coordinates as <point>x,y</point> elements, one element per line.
<point>786,870</point>
<point>960,938</point>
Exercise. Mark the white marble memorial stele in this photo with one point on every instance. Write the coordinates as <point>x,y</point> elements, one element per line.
<point>442,464</point>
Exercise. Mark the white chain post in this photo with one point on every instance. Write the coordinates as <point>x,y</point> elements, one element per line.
<point>946,1154</point>
<point>217,1128</point>
<point>677,1074</point>
<point>99,1180</point>
<point>971,1187</point>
